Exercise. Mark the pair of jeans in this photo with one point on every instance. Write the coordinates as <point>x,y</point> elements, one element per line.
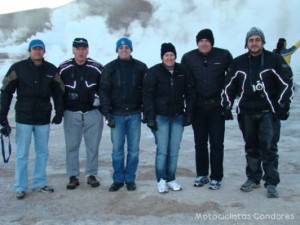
<point>23,140</point>
<point>209,126</point>
<point>168,137</point>
<point>126,127</point>
<point>90,126</point>
<point>258,133</point>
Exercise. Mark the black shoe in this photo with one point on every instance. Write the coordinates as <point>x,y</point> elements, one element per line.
<point>74,182</point>
<point>115,186</point>
<point>93,181</point>
<point>272,191</point>
<point>20,195</point>
<point>131,186</point>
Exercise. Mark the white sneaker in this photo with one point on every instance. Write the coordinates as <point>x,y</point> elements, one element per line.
<point>173,185</point>
<point>162,186</point>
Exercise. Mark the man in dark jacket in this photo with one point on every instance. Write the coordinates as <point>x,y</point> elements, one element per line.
<point>263,82</point>
<point>82,115</point>
<point>208,66</point>
<point>121,99</point>
<point>35,81</point>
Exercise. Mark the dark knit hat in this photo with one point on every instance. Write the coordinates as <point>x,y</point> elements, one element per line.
<point>167,47</point>
<point>205,34</point>
<point>255,31</point>
<point>124,41</point>
<point>80,42</point>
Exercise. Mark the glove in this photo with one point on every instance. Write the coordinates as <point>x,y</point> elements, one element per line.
<point>283,112</point>
<point>5,128</point>
<point>56,119</point>
<point>110,121</point>
<point>227,113</point>
<point>152,125</point>
<point>187,120</point>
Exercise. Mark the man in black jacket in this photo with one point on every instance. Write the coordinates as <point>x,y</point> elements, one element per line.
<point>208,65</point>
<point>121,99</point>
<point>35,81</point>
<point>82,117</point>
<point>263,82</point>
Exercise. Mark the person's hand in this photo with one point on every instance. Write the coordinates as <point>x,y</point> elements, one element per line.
<point>110,121</point>
<point>283,112</point>
<point>187,120</point>
<point>152,125</point>
<point>227,113</point>
<point>56,119</point>
<point>5,128</point>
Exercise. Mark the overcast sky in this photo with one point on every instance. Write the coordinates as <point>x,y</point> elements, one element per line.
<point>20,5</point>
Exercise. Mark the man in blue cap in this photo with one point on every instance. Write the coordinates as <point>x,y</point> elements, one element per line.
<point>35,81</point>
<point>121,99</point>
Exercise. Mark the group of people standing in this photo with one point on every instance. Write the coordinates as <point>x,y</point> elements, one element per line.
<point>199,91</point>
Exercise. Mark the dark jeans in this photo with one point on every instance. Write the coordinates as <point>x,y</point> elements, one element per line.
<point>261,134</point>
<point>209,125</point>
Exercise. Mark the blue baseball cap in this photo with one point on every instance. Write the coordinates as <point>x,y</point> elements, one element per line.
<point>36,43</point>
<point>123,41</point>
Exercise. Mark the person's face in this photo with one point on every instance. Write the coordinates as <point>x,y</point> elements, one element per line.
<point>80,54</point>
<point>36,54</point>
<point>169,59</point>
<point>255,45</point>
<point>124,52</point>
<point>204,46</point>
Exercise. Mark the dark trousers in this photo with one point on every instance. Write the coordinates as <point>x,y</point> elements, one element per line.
<point>209,125</point>
<point>260,146</point>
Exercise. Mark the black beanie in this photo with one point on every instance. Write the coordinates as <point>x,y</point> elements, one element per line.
<point>167,47</point>
<point>205,34</point>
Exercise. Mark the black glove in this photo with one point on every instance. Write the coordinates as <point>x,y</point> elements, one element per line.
<point>227,113</point>
<point>56,119</point>
<point>110,121</point>
<point>283,112</point>
<point>152,125</point>
<point>187,120</point>
<point>5,128</point>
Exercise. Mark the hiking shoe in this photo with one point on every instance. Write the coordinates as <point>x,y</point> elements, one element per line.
<point>20,195</point>
<point>249,185</point>
<point>214,185</point>
<point>272,191</point>
<point>200,181</point>
<point>73,183</point>
<point>115,186</point>
<point>173,185</point>
<point>162,186</point>
<point>44,189</point>
<point>91,180</point>
<point>131,186</point>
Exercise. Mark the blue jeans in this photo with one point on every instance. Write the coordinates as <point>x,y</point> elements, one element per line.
<point>167,139</point>
<point>23,140</point>
<point>128,127</point>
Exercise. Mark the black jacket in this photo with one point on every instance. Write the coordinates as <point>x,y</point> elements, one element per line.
<point>167,94</point>
<point>121,87</point>
<point>34,86</point>
<point>81,83</point>
<point>208,73</point>
<point>261,83</point>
